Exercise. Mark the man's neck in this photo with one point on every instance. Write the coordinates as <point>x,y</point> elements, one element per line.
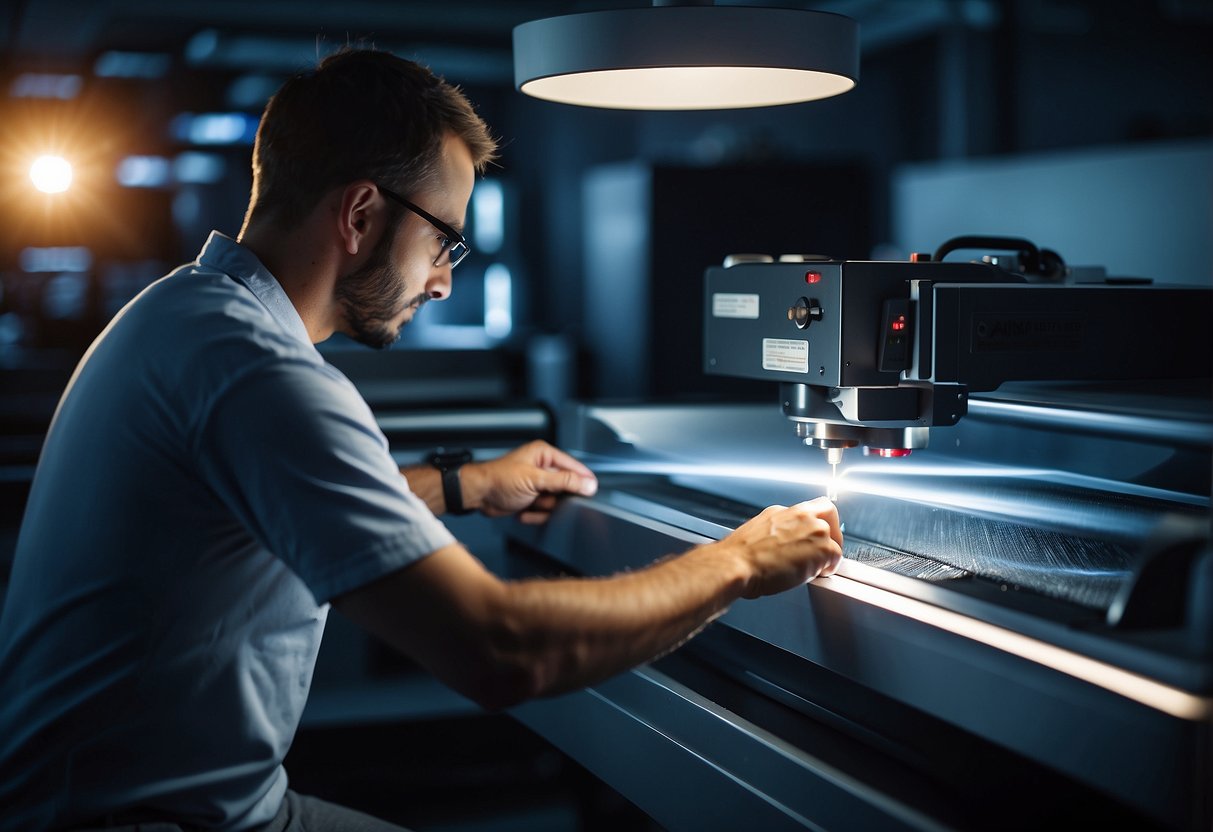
<point>304,269</point>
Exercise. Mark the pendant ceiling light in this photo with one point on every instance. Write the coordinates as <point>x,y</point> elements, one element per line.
<point>687,56</point>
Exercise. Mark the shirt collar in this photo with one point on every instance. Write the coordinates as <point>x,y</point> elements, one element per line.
<point>239,263</point>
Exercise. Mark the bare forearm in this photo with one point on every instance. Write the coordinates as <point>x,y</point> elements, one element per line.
<point>501,642</point>
<point>572,633</point>
<point>426,482</point>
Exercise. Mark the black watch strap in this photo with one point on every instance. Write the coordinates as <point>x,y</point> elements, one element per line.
<point>448,464</point>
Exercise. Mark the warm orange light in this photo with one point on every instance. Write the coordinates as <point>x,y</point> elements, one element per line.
<point>51,174</point>
<point>57,162</point>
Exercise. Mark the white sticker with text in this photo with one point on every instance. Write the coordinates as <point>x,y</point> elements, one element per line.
<point>725,305</point>
<point>785,356</point>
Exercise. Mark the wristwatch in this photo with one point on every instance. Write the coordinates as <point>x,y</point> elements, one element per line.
<point>448,463</point>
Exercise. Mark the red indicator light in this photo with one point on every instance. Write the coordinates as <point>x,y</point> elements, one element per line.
<point>890,453</point>
<point>812,277</point>
<point>899,323</point>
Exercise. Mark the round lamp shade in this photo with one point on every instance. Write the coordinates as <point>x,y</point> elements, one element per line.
<point>687,57</point>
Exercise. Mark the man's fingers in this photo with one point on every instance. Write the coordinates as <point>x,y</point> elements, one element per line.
<point>831,564</point>
<point>825,509</point>
<point>820,506</point>
<point>544,502</point>
<point>566,482</point>
<point>549,456</point>
<point>830,567</point>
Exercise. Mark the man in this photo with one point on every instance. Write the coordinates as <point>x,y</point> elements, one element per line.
<point>210,485</point>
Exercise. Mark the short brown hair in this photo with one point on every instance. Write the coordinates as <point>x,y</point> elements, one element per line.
<point>360,114</point>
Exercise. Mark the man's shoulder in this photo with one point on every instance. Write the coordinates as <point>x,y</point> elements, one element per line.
<point>194,290</point>
<point>194,334</point>
<point>199,309</point>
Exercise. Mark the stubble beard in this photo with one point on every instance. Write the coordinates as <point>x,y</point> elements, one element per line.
<point>370,298</point>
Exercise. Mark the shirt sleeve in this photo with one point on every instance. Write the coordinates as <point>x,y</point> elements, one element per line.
<point>294,452</point>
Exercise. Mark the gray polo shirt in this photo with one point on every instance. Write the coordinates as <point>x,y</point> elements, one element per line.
<point>207,485</point>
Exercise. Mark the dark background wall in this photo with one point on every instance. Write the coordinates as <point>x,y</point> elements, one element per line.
<point>940,81</point>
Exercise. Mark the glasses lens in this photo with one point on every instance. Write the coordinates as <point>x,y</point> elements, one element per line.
<point>457,252</point>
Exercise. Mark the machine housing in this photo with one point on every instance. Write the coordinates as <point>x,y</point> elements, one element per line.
<point>877,353</point>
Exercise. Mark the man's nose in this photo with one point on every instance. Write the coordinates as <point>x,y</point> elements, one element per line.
<point>439,285</point>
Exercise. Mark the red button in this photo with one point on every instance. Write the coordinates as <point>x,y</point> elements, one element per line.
<point>812,277</point>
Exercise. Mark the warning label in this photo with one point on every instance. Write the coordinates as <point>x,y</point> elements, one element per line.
<point>785,356</point>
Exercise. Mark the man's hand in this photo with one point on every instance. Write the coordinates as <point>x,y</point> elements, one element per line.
<point>527,481</point>
<point>786,547</point>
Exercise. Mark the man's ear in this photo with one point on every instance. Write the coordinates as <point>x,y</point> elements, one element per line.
<point>358,214</point>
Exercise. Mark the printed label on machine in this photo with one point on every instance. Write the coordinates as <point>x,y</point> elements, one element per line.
<point>785,355</point>
<point>726,305</point>
<point>1027,333</point>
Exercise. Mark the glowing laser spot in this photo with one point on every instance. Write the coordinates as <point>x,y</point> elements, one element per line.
<point>833,457</point>
<point>51,174</point>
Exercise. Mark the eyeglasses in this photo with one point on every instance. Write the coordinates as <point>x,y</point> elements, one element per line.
<point>454,246</point>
